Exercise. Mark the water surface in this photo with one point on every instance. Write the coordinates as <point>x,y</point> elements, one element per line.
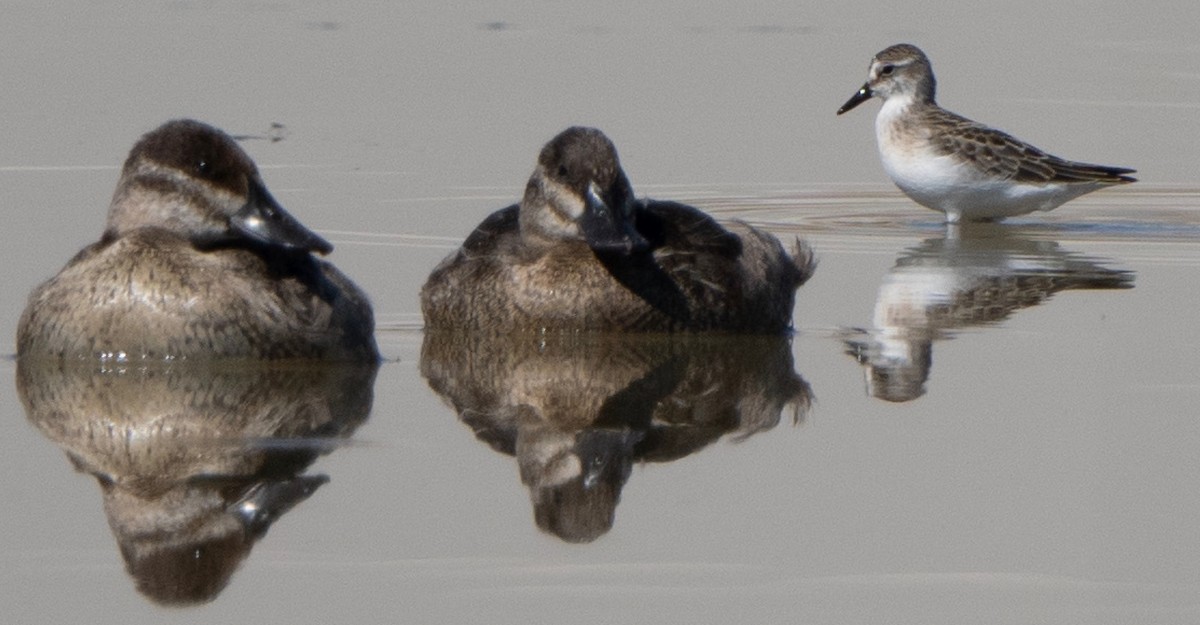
<point>996,426</point>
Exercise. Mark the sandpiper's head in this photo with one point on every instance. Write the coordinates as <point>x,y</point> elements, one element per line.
<point>578,192</point>
<point>194,180</point>
<point>901,70</point>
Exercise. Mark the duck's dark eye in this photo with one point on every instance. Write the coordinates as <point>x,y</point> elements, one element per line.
<point>887,70</point>
<point>203,167</point>
<point>562,171</point>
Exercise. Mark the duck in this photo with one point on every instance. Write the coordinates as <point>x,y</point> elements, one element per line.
<point>580,253</point>
<point>197,261</point>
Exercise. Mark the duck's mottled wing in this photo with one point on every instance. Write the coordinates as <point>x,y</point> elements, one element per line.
<point>1001,155</point>
<point>700,259</point>
<point>472,287</point>
<point>671,224</point>
<point>492,231</point>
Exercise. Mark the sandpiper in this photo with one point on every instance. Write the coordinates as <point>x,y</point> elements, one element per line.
<point>967,170</point>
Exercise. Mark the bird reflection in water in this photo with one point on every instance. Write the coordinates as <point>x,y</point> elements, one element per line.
<point>975,275</point>
<point>195,463</point>
<point>578,410</point>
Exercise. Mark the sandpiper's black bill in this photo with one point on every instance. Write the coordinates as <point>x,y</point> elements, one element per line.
<point>862,95</point>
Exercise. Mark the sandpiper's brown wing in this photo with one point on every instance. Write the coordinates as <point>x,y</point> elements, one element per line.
<point>1004,156</point>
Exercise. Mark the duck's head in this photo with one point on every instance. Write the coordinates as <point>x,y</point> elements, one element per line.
<point>194,180</point>
<point>578,192</point>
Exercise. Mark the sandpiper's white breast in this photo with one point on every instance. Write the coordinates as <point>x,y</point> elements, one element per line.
<point>910,160</point>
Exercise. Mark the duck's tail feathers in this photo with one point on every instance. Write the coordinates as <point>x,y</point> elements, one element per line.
<point>804,260</point>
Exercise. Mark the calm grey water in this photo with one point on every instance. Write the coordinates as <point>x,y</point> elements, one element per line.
<point>993,426</point>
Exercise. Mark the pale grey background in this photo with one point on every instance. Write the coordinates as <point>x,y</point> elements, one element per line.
<point>1049,476</point>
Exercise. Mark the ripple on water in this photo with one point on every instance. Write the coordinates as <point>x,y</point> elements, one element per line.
<point>1149,214</point>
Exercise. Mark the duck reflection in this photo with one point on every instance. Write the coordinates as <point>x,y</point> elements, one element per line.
<point>578,410</point>
<point>195,463</point>
<point>975,275</point>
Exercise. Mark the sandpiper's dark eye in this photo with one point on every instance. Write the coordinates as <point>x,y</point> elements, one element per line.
<point>887,70</point>
<point>203,167</point>
<point>562,171</point>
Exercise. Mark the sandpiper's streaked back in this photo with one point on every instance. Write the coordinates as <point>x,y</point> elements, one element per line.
<point>951,164</point>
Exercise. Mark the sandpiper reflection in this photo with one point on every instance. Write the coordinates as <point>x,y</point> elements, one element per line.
<point>195,463</point>
<point>972,276</point>
<point>578,411</point>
